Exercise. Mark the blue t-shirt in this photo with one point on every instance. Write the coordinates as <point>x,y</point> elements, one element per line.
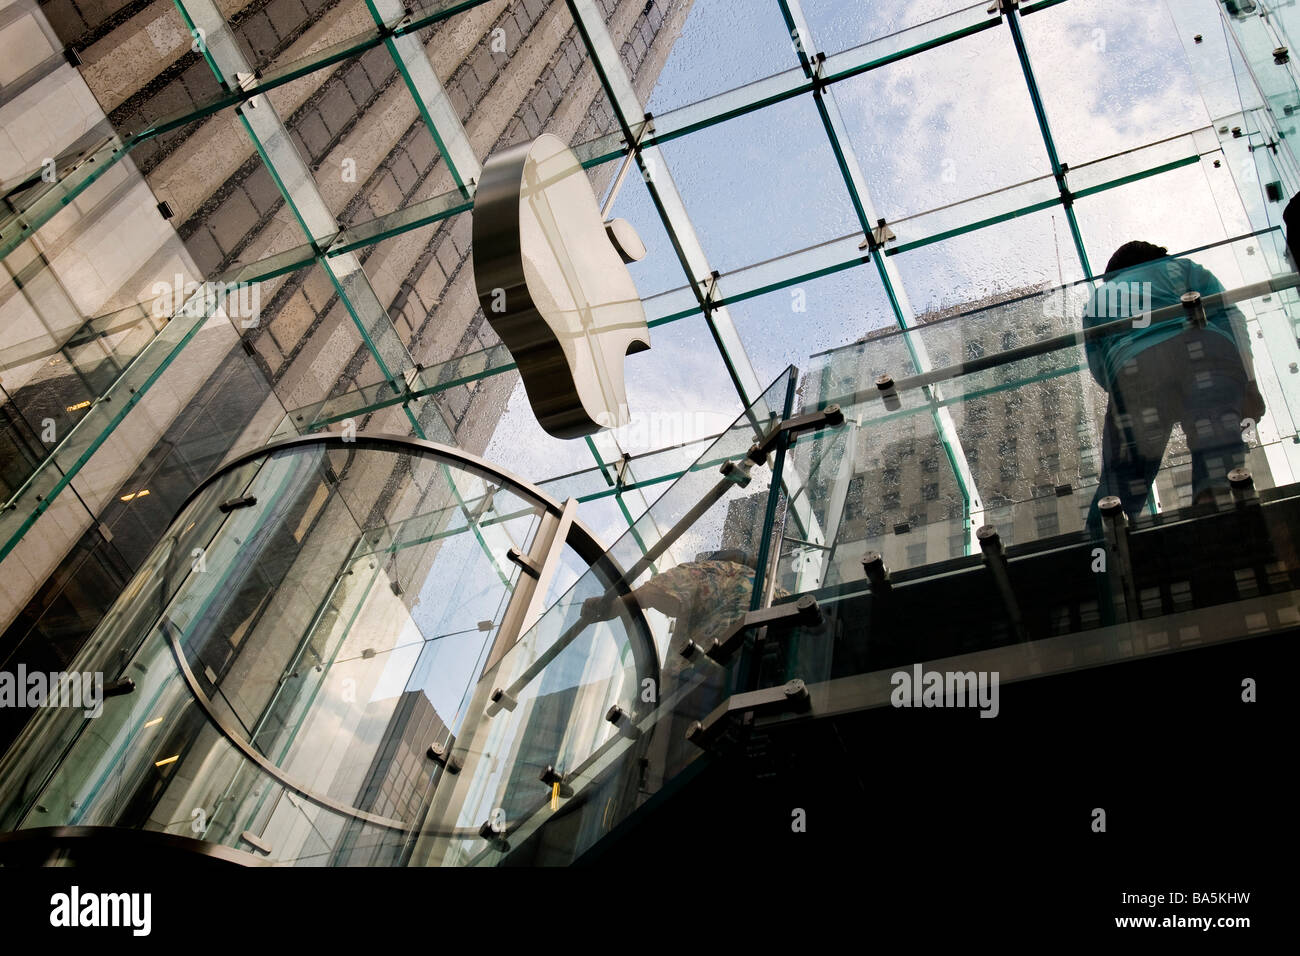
<point>1141,289</point>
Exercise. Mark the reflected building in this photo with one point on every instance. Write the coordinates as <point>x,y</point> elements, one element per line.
<point>396,781</point>
<point>1028,434</point>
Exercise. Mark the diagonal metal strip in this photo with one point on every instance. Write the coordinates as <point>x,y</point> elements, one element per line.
<point>890,277</point>
<point>663,192</point>
<point>435,107</point>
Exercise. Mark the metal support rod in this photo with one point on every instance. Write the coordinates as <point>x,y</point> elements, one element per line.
<point>996,561</point>
<point>1121,568</point>
<point>791,696</point>
<point>508,696</point>
<point>829,417</point>
<point>629,160</point>
<point>804,611</point>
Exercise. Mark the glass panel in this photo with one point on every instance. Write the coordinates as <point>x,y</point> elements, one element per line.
<point>837,24</point>
<point>783,327</point>
<point>315,622</point>
<point>739,209</point>
<point>923,144</point>
<point>699,66</point>
<point>1112,75</point>
<point>546,705</point>
<point>660,269</point>
<point>203,313</point>
<point>977,268</point>
<point>1176,209</point>
<point>1258,41</point>
<point>677,390</point>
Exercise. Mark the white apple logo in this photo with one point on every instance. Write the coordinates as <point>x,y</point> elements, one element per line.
<point>553,282</point>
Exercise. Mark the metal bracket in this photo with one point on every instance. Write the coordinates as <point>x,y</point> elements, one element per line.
<point>830,416</point>
<point>877,237</point>
<point>256,842</point>
<point>1003,6</point>
<point>526,564</point>
<point>500,700</point>
<point>243,81</point>
<point>621,719</point>
<point>709,286</point>
<point>818,62</point>
<point>247,501</point>
<point>882,233</point>
<point>791,696</point>
<point>620,470</point>
<point>497,839</point>
<point>738,472</point>
<point>996,560</point>
<point>119,688</point>
<point>873,563</point>
<point>779,616</point>
<point>888,393</point>
<point>485,504</point>
<point>1243,486</point>
<point>441,754</point>
<point>411,379</point>
<point>1195,309</point>
<point>550,776</point>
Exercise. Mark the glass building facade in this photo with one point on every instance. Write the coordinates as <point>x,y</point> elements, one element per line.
<point>271,475</point>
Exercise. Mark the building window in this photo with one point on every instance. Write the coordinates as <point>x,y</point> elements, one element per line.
<point>916,554</point>
<point>930,491</point>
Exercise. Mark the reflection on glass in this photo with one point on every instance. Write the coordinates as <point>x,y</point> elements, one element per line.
<point>315,619</point>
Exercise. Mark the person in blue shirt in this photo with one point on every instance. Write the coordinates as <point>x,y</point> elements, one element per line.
<point>1157,374</point>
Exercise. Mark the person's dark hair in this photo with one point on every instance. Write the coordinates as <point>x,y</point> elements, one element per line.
<point>1134,253</point>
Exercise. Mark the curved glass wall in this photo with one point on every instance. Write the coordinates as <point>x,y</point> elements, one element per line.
<point>378,651</point>
<point>317,618</point>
